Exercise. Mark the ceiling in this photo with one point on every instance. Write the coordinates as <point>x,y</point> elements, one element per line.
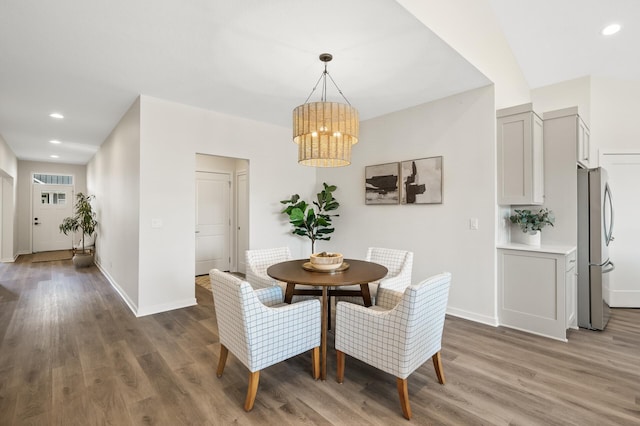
<point>258,59</point>
<point>555,41</point>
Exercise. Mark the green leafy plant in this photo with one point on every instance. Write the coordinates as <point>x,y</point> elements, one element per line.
<point>83,219</point>
<point>312,220</point>
<point>530,222</point>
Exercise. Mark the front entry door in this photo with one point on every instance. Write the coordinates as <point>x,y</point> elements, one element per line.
<point>51,204</point>
<point>212,222</point>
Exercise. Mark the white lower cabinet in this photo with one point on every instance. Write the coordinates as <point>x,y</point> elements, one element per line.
<point>537,289</point>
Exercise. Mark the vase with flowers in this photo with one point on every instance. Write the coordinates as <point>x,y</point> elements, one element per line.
<point>530,223</point>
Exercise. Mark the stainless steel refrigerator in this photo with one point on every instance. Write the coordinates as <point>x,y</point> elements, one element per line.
<point>595,235</point>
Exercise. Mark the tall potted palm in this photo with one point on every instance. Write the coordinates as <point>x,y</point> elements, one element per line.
<point>84,220</point>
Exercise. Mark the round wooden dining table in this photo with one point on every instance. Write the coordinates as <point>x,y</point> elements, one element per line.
<point>359,272</point>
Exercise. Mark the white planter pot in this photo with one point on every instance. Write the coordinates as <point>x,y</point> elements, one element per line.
<point>520,237</point>
<point>82,260</point>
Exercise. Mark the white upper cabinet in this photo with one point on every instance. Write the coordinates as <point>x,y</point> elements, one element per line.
<point>565,126</point>
<point>583,146</point>
<point>520,156</point>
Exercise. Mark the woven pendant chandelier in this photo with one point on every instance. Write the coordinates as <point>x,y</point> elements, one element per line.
<point>325,131</point>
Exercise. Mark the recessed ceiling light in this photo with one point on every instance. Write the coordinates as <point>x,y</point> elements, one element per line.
<point>56,115</point>
<point>54,141</point>
<point>611,29</point>
<point>54,156</point>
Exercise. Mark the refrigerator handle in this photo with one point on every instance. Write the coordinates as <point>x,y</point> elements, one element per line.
<point>611,267</point>
<point>603,264</point>
<point>608,230</point>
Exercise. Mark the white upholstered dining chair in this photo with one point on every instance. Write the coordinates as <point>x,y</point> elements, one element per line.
<point>259,260</point>
<point>260,330</point>
<point>398,335</point>
<point>399,263</point>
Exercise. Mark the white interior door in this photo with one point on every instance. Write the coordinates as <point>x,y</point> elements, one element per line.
<point>212,222</point>
<point>624,175</point>
<point>51,204</point>
<point>242,218</point>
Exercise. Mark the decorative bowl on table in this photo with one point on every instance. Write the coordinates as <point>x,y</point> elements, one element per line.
<point>326,261</point>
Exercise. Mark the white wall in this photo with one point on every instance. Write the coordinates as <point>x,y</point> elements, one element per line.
<point>8,161</point>
<point>25,174</point>
<point>562,95</point>
<point>615,130</point>
<point>113,176</point>
<point>460,128</point>
<point>614,115</point>
<point>471,28</point>
<point>8,200</point>
<point>8,223</point>
<point>170,136</point>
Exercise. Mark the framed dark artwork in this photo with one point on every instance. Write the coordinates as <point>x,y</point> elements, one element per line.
<point>382,184</point>
<point>422,181</point>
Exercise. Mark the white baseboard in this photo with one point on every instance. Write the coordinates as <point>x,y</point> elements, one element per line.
<point>9,259</point>
<point>155,309</point>
<point>132,306</point>
<point>624,298</point>
<point>150,310</point>
<point>473,316</point>
<point>561,339</point>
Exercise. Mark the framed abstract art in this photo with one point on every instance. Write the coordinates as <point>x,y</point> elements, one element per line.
<point>382,184</point>
<point>421,181</point>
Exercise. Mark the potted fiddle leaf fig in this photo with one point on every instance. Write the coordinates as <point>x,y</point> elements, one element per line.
<point>312,220</point>
<point>83,220</point>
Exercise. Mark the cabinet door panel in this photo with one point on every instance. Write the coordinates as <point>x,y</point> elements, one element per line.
<point>583,145</point>
<point>520,159</point>
<point>532,286</point>
<point>532,292</point>
<point>514,159</point>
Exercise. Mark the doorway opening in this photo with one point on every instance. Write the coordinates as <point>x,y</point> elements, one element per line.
<point>222,213</point>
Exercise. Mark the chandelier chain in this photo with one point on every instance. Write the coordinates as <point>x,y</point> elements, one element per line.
<point>314,89</point>
<point>323,78</point>
<point>338,89</point>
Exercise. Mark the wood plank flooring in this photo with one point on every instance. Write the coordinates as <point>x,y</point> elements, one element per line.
<point>72,353</point>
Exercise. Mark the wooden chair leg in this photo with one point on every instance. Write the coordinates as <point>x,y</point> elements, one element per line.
<point>403,392</point>
<point>315,360</point>
<point>223,360</point>
<point>437,364</point>
<point>340,366</point>
<point>252,390</point>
